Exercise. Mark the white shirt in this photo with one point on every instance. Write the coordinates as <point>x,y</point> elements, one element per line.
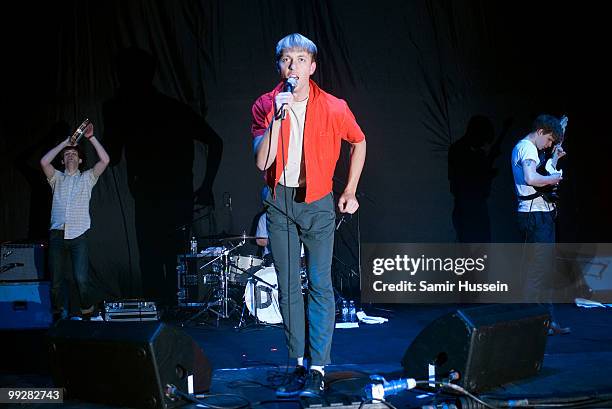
<point>71,195</point>
<point>294,174</point>
<point>262,231</point>
<point>525,150</point>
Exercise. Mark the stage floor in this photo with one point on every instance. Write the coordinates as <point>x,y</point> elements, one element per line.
<point>249,362</point>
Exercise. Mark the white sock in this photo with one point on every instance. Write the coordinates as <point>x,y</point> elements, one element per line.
<point>318,368</point>
<point>300,361</point>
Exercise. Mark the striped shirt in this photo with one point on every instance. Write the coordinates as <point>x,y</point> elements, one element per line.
<point>71,195</point>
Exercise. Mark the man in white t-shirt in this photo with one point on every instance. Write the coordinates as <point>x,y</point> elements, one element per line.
<point>535,214</point>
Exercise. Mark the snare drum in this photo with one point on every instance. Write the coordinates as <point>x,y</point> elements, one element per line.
<point>239,263</point>
<point>262,300</point>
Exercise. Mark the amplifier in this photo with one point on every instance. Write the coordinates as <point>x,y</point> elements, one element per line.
<point>130,310</point>
<point>25,305</point>
<point>22,262</point>
<point>198,276</point>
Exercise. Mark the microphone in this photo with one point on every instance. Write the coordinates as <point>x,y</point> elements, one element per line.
<point>343,219</point>
<point>227,200</point>
<point>339,222</point>
<point>290,85</point>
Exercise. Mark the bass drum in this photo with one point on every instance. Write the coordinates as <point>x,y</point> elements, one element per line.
<point>262,300</point>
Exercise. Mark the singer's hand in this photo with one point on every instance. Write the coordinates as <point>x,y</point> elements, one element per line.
<point>68,142</point>
<point>282,101</point>
<point>348,203</point>
<point>89,131</point>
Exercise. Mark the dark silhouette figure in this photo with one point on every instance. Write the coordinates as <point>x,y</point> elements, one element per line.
<point>156,135</point>
<point>470,173</point>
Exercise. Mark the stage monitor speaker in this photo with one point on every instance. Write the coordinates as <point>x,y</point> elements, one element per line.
<point>22,262</point>
<point>484,346</point>
<point>125,363</point>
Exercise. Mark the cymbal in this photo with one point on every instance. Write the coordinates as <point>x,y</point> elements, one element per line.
<point>243,237</point>
<point>219,236</point>
<point>229,237</point>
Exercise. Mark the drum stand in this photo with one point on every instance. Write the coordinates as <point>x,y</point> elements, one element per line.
<point>223,300</point>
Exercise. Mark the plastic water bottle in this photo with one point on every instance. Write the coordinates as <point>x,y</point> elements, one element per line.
<point>352,311</point>
<point>194,246</point>
<point>345,312</point>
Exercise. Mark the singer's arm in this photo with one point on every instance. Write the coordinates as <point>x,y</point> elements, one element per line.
<point>45,161</point>
<point>104,159</point>
<point>265,146</point>
<point>347,203</point>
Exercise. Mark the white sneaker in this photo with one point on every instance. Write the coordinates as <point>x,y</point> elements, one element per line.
<point>96,318</point>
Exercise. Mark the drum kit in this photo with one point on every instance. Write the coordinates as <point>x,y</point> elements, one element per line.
<point>218,280</point>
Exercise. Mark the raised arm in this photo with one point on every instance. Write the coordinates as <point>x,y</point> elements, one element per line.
<point>103,158</point>
<point>207,135</point>
<point>265,146</point>
<point>45,161</point>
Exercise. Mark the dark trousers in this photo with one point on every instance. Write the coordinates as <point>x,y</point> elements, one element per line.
<point>538,230</point>
<point>314,225</point>
<point>61,253</point>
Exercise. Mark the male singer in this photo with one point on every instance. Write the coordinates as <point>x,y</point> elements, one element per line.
<point>297,131</point>
<point>70,219</point>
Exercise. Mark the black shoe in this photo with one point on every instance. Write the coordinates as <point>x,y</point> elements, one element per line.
<point>314,385</point>
<point>294,384</point>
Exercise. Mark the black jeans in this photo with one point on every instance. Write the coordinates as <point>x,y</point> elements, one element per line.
<point>538,230</point>
<point>62,252</point>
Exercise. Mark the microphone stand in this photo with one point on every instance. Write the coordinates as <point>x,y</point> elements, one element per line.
<point>343,220</point>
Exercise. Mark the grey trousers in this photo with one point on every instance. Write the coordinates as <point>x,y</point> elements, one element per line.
<point>313,224</point>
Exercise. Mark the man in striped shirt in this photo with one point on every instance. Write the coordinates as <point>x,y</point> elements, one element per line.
<point>70,220</point>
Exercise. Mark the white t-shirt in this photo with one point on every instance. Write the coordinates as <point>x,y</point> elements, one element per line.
<point>525,150</point>
<point>262,231</point>
<point>294,172</point>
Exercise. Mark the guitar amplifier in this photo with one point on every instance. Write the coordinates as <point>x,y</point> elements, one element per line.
<point>25,305</point>
<point>22,262</point>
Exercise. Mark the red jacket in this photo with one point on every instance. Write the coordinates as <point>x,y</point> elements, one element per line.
<point>328,121</point>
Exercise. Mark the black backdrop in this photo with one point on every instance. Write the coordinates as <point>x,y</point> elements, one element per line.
<point>414,73</point>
